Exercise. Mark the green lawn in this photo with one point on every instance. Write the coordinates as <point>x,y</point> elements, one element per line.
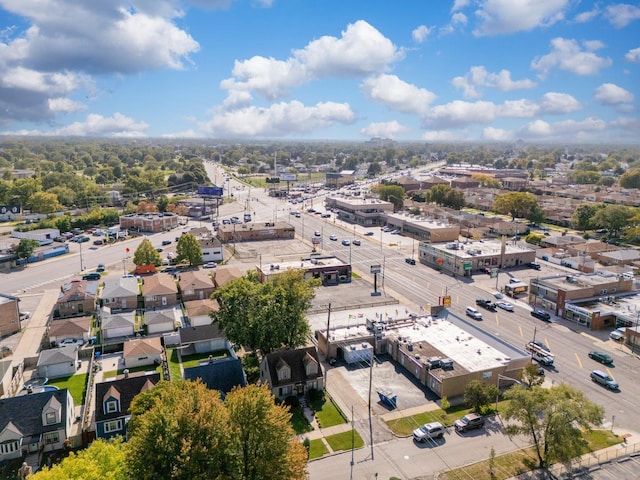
<point>174,364</point>
<point>143,368</point>
<point>75,383</point>
<point>194,360</point>
<point>344,441</point>
<point>317,449</point>
<point>299,421</point>
<point>327,413</point>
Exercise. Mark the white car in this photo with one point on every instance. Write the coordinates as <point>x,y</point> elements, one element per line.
<point>71,341</point>
<point>210,265</point>
<point>25,315</point>
<point>618,334</point>
<point>333,238</point>
<point>505,306</point>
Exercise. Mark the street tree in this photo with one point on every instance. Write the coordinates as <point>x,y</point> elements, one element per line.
<point>479,395</point>
<point>266,316</point>
<point>438,193</point>
<point>394,194</point>
<point>531,377</point>
<point>184,428</point>
<point>189,249</point>
<point>145,254</point>
<point>614,218</point>
<point>553,418</point>
<point>44,202</point>
<point>26,247</point>
<point>516,204</point>
<point>582,217</point>
<point>263,438</point>
<point>102,459</point>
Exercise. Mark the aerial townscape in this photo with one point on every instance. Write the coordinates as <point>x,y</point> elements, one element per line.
<point>275,240</point>
<point>389,309</point>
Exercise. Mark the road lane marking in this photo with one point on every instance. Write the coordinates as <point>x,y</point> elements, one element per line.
<point>521,332</point>
<point>497,320</point>
<point>578,359</point>
<point>610,374</point>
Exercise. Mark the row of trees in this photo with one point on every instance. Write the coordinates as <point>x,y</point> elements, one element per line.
<point>188,250</point>
<point>184,431</point>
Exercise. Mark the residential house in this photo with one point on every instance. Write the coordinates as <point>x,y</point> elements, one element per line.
<point>220,373</point>
<point>58,362</point>
<point>195,285</point>
<point>203,339</point>
<point>212,249</point>
<point>120,293</point>
<point>140,352</point>
<point>198,311</point>
<point>77,328</point>
<point>163,320</point>
<point>159,290</point>
<point>619,257</point>
<point>76,298</point>
<point>9,315</point>
<point>114,325</point>
<point>223,275</point>
<point>292,371</point>
<point>113,399</point>
<point>31,422</point>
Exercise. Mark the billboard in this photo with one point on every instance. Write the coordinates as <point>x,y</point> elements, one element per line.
<point>210,191</point>
<point>288,177</point>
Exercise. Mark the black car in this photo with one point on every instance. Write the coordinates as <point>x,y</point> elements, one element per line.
<point>534,265</point>
<point>410,261</point>
<point>368,234</point>
<point>92,276</point>
<point>484,303</point>
<point>166,242</point>
<point>601,357</point>
<point>542,315</point>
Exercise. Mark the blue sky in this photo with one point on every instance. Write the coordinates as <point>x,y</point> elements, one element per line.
<point>564,71</point>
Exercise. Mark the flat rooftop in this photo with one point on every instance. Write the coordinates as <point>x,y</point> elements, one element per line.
<point>424,222</point>
<point>478,248</point>
<point>304,263</point>
<point>581,280</point>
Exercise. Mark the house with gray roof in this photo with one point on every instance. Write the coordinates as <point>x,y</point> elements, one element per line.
<point>161,321</point>
<point>34,421</point>
<point>114,325</point>
<point>220,373</point>
<point>203,339</point>
<point>292,371</point>
<point>58,362</point>
<point>120,293</point>
<point>619,257</point>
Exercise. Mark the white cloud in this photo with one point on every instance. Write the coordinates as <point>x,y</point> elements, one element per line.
<point>582,130</point>
<point>185,134</point>
<point>362,50</point>
<point>566,54</point>
<point>280,120</point>
<point>497,135</point>
<point>587,16</point>
<point>621,14</point>
<point>518,109</point>
<point>558,104</point>
<point>421,33</point>
<point>458,113</point>
<point>499,17</point>
<point>610,94</point>
<point>633,55</point>
<point>459,5</point>
<point>384,129</point>
<point>97,125</point>
<point>479,77</point>
<point>440,136</point>
<point>459,19</point>
<point>397,94</point>
<point>65,105</point>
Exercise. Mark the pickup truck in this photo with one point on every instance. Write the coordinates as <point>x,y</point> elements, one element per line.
<point>542,359</point>
<point>488,304</point>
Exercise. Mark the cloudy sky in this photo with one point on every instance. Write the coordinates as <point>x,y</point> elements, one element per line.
<point>433,70</point>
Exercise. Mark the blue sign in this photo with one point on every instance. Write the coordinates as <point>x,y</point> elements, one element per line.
<point>210,191</point>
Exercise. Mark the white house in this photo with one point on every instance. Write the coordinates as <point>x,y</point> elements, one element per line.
<point>198,311</point>
<point>165,320</point>
<point>142,351</point>
<point>58,362</point>
<point>115,325</point>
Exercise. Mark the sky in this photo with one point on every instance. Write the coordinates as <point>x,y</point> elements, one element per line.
<point>545,71</point>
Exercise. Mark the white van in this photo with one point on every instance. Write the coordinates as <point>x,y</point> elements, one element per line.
<point>473,313</point>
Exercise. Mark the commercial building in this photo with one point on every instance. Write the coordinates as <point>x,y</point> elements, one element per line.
<point>423,228</point>
<point>339,179</point>
<point>254,231</point>
<point>330,270</point>
<point>150,222</point>
<point>593,300</point>
<point>367,212</point>
<point>467,258</point>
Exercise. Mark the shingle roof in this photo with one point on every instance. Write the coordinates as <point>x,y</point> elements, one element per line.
<point>198,279</point>
<point>159,284</point>
<point>199,334</point>
<point>55,356</point>
<point>77,291</point>
<point>23,412</point>
<point>221,375</point>
<point>141,346</point>
<point>196,308</point>
<point>166,315</point>
<point>120,287</point>
<point>128,388</point>
<point>296,359</point>
<point>70,327</point>
<point>115,320</point>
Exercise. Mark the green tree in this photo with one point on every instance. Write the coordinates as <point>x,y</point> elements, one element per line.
<point>536,214</point>
<point>530,377</point>
<point>630,179</point>
<point>63,223</point>
<point>268,315</point>
<point>26,247</point>
<point>454,199</point>
<point>145,254</point>
<point>479,395</point>
<point>394,194</point>
<point>438,193</point>
<point>516,204</point>
<point>188,249</point>
<point>553,418</point>
<point>582,216</point>
<point>44,202</point>
<point>486,181</point>
<point>614,218</point>
<point>184,428</point>
<point>100,460</point>
<point>263,437</point>
<point>162,203</point>
<point>374,169</point>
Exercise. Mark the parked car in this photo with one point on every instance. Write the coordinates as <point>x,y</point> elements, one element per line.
<point>100,267</point>
<point>618,334</point>
<point>534,265</point>
<point>210,265</point>
<point>505,306</point>
<point>470,421</point>
<point>541,314</point>
<point>603,379</point>
<point>368,234</point>
<point>159,250</point>
<point>601,357</point>
<point>410,261</point>
<point>92,276</point>
<point>484,303</point>
<point>326,215</point>
<point>71,341</point>
<point>473,313</point>
<point>98,242</point>
<point>357,242</point>
<point>25,315</point>
<point>317,234</point>
<point>428,431</point>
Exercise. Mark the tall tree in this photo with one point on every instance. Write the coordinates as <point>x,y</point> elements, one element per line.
<point>268,315</point>
<point>145,254</point>
<point>454,199</point>
<point>44,202</point>
<point>26,247</point>
<point>614,218</point>
<point>188,249</point>
<point>516,204</point>
<point>553,418</point>
<point>438,193</point>
<point>263,437</point>
<point>582,216</point>
<point>100,460</point>
<point>394,194</point>
<point>479,395</point>
<point>630,179</point>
